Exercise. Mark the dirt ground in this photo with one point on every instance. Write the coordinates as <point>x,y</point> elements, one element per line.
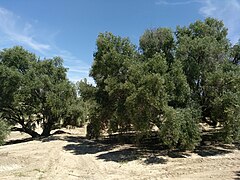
<point>72,156</point>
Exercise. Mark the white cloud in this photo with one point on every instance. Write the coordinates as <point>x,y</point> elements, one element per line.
<point>77,78</point>
<point>15,31</point>
<point>11,26</point>
<point>78,70</point>
<point>74,64</point>
<point>165,2</point>
<point>226,10</point>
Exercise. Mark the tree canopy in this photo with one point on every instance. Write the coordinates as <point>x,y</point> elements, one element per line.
<point>174,81</point>
<point>33,91</point>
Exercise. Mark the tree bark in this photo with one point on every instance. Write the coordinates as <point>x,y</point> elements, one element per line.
<point>47,127</point>
<point>26,130</point>
<point>32,133</point>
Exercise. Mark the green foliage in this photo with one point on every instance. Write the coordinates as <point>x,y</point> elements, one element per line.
<point>172,83</point>
<point>148,97</point>
<point>159,40</point>
<point>222,87</point>
<point>112,51</point>
<point>76,110</point>
<point>180,128</point>
<point>17,58</point>
<point>34,91</point>
<point>235,53</point>
<point>4,131</point>
<point>201,47</point>
<point>177,87</point>
<point>97,123</point>
<point>110,72</point>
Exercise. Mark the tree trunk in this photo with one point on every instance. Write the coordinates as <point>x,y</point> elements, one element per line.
<point>31,133</point>
<point>47,127</point>
<point>26,130</point>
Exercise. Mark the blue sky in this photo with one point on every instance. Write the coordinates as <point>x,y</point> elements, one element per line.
<point>69,28</point>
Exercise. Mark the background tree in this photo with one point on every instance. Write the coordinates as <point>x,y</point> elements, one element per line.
<point>206,55</point>
<point>33,91</point>
<point>55,94</point>
<point>201,47</point>
<point>222,88</point>
<point>176,118</point>
<point>78,110</point>
<point>14,66</point>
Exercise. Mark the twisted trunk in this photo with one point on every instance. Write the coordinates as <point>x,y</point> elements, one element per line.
<point>26,130</point>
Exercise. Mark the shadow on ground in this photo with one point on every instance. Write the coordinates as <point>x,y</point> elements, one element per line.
<point>237,175</point>
<point>17,141</point>
<point>52,137</point>
<point>123,155</point>
<point>206,151</point>
<point>155,160</point>
<point>110,149</point>
<point>131,154</point>
<point>84,146</point>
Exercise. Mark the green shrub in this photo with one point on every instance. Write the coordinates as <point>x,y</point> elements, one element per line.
<point>180,128</point>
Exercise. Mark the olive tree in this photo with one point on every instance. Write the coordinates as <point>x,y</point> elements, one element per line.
<point>33,91</point>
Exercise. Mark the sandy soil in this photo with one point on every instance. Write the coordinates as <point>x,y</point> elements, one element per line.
<point>71,156</point>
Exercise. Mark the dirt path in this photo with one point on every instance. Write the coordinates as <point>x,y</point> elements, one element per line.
<point>71,156</point>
